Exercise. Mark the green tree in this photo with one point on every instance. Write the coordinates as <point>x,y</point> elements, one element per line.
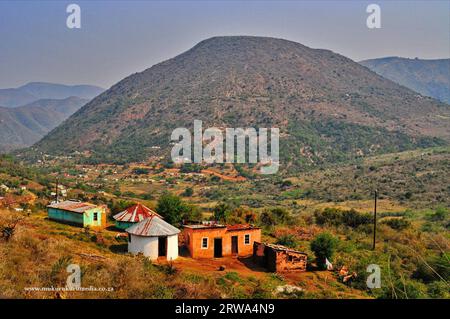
<point>188,192</point>
<point>221,212</point>
<point>323,246</point>
<point>174,210</point>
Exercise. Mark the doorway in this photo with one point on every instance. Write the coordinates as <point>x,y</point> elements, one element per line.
<point>217,247</point>
<point>234,245</point>
<point>162,246</point>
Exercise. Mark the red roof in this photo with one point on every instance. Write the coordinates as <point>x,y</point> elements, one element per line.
<point>135,214</point>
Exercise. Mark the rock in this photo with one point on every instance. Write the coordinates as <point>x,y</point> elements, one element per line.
<point>288,289</point>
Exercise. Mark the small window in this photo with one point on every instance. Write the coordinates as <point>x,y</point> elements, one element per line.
<point>205,243</point>
<point>247,239</point>
<point>95,217</point>
<point>188,239</point>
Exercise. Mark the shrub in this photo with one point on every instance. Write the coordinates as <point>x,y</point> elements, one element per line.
<point>336,217</point>
<point>397,223</point>
<point>323,246</point>
<point>287,240</point>
<point>188,192</point>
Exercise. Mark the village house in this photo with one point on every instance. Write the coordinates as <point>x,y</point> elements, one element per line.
<point>277,258</point>
<point>133,215</point>
<point>154,238</point>
<point>78,213</point>
<point>215,241</point>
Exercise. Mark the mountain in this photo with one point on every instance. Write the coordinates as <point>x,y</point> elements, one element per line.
<point>428,77</point>
<point>328,107</point>
<point>34,91</point>
<point>22,126</point>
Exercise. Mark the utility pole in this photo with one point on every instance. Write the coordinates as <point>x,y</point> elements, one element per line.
<point>375,219</point>
<point>56,190</point>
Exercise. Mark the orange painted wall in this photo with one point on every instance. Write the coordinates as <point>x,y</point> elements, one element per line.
<point>194,237</point>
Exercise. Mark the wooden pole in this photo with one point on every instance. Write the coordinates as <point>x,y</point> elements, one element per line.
<point>375,220</point>
<point>57,182</point>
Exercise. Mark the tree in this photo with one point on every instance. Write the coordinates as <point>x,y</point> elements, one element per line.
<point>188,192</point>
<point>323,246</point>
<point>221,212</point>
<point>174,210</point>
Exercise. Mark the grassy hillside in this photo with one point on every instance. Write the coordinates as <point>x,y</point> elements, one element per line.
<point>413,242</point>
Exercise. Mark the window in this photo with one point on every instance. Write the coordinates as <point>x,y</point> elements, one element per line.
<point>205,243</point>
<point>95,217</point>
<point>247,239</point>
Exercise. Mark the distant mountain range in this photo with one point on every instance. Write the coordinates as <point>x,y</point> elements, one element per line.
<point>29,112</point>
<point>25,125</point>
<point>328,107</point>
<point>428,77</point>
<point>34,91</point>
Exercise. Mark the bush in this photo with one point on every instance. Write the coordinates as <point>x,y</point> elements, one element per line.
<point>397,223</point>
<point>336,217</point>
<point>287,240</point>
<point>276,216</point>
<point>188,192</point>
<point>440,214</point>
<point>323,246</point>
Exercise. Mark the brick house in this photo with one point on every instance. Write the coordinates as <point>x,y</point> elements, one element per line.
<point>215,241</point>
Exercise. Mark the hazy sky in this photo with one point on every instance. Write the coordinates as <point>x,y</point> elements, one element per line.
<point>118,38</point>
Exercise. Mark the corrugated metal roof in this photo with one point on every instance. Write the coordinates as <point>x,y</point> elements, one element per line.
<point>240,227</point>
<point>135,214</point>
<point>72,206</point>
<point>152,226</point>
<point>283,248</point>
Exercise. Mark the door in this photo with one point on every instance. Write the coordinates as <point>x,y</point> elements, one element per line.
<point>162,246</point>
<point>234,245</point>
<point>217,247</point>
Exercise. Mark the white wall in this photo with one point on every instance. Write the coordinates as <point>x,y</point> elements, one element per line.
<point>146,245</point>
<point>172,247</point>
<point>149,246</point>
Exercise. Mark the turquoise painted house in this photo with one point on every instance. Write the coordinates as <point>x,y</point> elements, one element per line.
<point>78,213</point>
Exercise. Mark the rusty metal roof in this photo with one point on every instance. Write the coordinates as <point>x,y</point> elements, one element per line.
<point>213,225</point>
<point>241,227</point>
<point>152,227</point>
<point>135,214</point>
<point>283,248</point>
<point>72,206</point>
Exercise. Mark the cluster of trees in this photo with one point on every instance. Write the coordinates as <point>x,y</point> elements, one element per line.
<point>231,214</point>
<point>336,217</point>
